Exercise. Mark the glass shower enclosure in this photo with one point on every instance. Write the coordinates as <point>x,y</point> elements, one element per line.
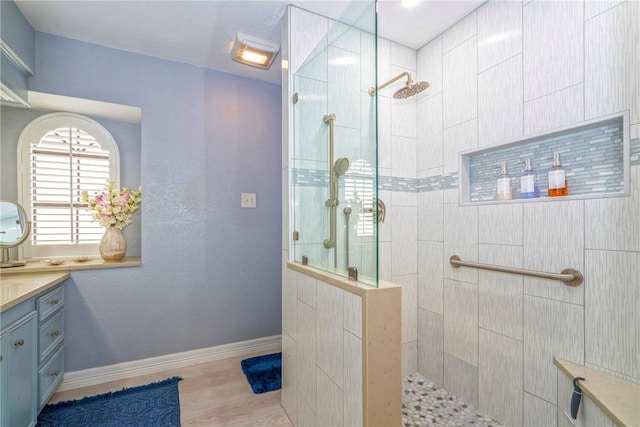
<point>333,156</point>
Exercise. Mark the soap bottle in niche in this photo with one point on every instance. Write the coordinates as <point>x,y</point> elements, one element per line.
<point>557,178</point>
<point>528,181</point>
<point>504,183</point>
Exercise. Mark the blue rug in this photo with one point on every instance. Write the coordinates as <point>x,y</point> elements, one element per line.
<point>263,372</point>
<point>152,405</point>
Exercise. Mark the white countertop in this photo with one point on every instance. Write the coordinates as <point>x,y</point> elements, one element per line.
<point>16,288</point>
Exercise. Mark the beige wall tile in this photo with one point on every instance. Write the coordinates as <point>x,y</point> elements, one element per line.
<point>289,300</point>
<point>553,241</point>
<point>500,224</point>
<point>613,223</point>
<point>500,377</point>
<point>431,276</point>
<point>353,313</point>
<point>330,401</point>
<point>461,321</point>
<point>461,379</point>
<point>307,290</point>
<point>538,412</point>
<point>431,346</point>
<point>307,354</point>
<point>409,358</point>
<point>499,32</point>
<point>409,285</point>
<point>500,103</point>
<point>615,87</point>
<point>500,294</point>
<point>460,32</point>
<point>460,83</point>
<point>551,328</point>
<point>352,380</point>
<point>460,238</point>
<point>404,247</point>
<point>612,298</point>
<point>430,216</point>
<point>330,330</point>
<point>289,377</point>
<point>553,47</point>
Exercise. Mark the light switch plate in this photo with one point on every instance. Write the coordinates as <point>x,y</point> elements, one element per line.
<point>248,200</point>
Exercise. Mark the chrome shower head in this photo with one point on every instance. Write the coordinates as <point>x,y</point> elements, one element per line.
<point>410,89</point>
<point>340,166</point>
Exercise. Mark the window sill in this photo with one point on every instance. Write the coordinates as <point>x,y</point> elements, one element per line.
<point>94,264</point>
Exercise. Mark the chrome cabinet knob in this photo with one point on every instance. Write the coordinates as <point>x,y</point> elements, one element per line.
<point>55,301</point>
<point>55,333</point>
<point>55,373</point>
<point>19,343</point>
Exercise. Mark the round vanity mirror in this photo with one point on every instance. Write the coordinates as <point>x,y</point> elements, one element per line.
<point>14,229</point>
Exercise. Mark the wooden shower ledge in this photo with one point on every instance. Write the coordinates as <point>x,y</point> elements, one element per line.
<point>617,398</point>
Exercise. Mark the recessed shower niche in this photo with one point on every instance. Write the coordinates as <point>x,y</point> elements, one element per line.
<point>595,155</point>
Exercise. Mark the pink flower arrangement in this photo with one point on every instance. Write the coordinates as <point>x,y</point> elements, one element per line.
<point>113,207</point>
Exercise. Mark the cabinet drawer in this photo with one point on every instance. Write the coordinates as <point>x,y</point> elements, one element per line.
<point>51,334</point>
<point>50,376</point>
<point>50,302</point>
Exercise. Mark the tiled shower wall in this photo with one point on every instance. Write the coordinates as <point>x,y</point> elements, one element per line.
<point>507,70</point>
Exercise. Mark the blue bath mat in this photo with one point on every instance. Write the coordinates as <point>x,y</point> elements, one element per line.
<point>149,405</point>
<point>263,372</point>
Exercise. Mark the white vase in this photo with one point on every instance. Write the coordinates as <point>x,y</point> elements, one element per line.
<point>113,245</point>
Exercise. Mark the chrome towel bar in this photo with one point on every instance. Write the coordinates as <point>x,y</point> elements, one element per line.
<point>568,276</point>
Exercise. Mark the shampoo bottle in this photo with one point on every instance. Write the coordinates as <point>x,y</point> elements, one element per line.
<point>528,181</point>
<point>557,178</point>
<point>504,183</point>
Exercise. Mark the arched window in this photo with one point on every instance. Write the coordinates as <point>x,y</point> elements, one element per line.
<point>60,155</point>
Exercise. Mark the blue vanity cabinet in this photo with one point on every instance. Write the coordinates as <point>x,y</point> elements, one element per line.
<point>51,343</point>
<point>18,377</point>
<point>31,356</point>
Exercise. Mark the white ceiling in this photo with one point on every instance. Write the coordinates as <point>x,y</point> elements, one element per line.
<point>200,32</point>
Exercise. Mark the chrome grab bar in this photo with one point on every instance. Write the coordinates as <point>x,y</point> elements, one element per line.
<point>568,276</point>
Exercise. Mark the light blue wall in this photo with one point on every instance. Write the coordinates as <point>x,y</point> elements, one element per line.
<point>17,33</point>
<point>211,270</point>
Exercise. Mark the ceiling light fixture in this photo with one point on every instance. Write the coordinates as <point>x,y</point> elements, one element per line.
<point>253,51</point>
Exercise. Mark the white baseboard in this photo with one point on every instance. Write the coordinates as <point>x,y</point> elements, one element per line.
<point>119,371</point>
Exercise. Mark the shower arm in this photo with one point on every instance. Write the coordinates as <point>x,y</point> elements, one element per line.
<point>372,90</point>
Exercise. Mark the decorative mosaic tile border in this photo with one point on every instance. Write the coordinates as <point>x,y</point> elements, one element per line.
<point>592,159</point>
<point>320,178</point>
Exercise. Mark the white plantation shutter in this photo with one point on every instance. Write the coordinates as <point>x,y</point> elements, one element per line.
<point>58,164</point>
<point>66,162</point>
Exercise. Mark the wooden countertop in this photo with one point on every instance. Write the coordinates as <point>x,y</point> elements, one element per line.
<point>617,398</point>
<point>17,288</point>
<point>70,265</point>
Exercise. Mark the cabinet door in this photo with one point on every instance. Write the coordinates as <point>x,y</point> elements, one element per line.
<point>20,378</point>
<point>3,384</point>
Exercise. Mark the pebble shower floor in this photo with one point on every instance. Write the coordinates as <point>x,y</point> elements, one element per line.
<point>426,404</point>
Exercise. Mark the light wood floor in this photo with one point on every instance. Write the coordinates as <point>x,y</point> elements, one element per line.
<point>211,394</point>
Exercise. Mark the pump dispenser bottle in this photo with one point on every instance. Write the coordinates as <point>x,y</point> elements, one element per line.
<point>557,178</point>
<point>504,184</point>
<point>528,181</point>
